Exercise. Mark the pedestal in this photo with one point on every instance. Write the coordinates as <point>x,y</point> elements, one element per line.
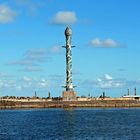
<point>69,96</point>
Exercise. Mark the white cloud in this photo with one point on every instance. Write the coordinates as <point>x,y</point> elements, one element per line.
<point>104,82</point>
<point>19,88</point>
<point>108,77</point>
<point>96,42</point>
<point>43,83</point>
<point>107,43</point>
<point>26,79</point>
<point>107,81</point>
<point>7,83</point>
<point>110,43</point>
<point>64,17</point>
<point>99,80</point>
<point>6,14</point>
<point>43,80</point>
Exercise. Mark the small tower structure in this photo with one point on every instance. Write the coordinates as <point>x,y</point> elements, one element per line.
<point>128,92</point>
<point>135,91</point>
<point>49,95</point>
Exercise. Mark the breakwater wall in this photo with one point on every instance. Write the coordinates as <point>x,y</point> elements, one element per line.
<point>67,104</point>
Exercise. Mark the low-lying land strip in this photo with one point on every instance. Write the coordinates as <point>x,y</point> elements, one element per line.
<point>104,103</point>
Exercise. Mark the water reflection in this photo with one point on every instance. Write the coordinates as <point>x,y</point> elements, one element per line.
<point>69,127</point>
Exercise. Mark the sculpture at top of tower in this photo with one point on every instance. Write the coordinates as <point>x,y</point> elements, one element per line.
<point>68,31</point>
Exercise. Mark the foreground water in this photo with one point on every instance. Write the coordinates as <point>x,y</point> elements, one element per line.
<point>75,124</point>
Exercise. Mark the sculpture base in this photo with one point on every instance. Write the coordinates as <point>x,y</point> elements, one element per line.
<point>69,96</point>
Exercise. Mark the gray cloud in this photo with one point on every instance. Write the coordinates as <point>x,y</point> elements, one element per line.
<point>22,2</point>
<point>6,76</point>
<point>76,73</point>
<point>34,58</point>
<point>32,7</point>
<point>31,69</point>
<point>38,55</point>
<point>55,50</point>
<point>7,14</point>
<point>3,75</point>
<point>107,43</point>
<point>11,33</point>
<point>121,69</point>
<point>56,76</point>
<point>24,62</point>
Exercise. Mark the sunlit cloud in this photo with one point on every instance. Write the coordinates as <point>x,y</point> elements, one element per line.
<point>105,82</point>
<point>107,43</point>
<point>108,77</point>
<point>64,17</point>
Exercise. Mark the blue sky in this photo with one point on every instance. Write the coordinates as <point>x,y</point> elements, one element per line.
<point>106,34</point>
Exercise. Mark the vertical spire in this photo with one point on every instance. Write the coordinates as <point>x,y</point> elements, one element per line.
<point>128,92</point>
<point>135,92</point>
<point>35,94</point>
<point>49,95</point>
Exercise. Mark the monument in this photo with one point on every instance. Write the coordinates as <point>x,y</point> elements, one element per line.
<point>69,94</point>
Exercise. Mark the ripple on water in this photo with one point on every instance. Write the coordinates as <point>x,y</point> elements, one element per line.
<point>76,124</point>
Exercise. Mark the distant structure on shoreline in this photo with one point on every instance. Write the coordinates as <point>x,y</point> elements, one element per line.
<point>69,94</point>
<point>135,96</point>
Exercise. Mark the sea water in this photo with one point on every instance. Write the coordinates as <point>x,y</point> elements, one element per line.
<point>70,124</point>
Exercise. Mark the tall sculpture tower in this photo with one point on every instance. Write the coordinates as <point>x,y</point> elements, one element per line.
<point>69,94</point>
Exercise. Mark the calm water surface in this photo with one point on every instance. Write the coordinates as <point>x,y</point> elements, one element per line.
<point>75,124</point>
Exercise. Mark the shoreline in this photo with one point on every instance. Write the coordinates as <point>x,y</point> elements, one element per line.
<point>70,104</point>
<point>68,108</point>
